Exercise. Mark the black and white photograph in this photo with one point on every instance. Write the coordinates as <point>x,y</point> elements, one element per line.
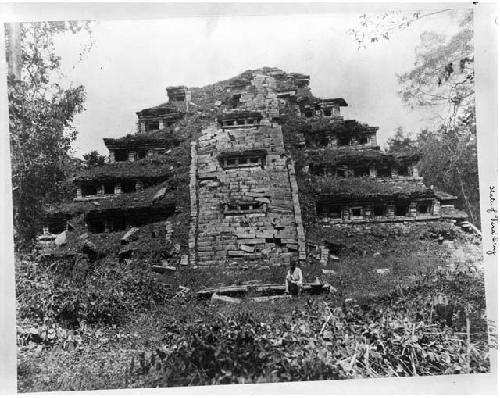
<point>251,195</point>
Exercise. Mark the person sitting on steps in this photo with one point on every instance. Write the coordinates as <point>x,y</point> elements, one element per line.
<point>293,281</point>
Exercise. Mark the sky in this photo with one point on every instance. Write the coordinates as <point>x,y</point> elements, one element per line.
<point>131,62</point>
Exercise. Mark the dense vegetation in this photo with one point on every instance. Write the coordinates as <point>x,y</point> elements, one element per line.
<point>130,329</point>
<point>41,113</point>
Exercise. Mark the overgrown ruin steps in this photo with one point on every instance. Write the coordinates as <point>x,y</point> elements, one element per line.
<point>245,197</point>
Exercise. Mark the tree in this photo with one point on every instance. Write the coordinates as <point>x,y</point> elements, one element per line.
<point>93,158</point>
<point>401,142</point>
<point>41,112</point>
<point>449,162</point>
<point>442,79</point>
<point>443,76</point>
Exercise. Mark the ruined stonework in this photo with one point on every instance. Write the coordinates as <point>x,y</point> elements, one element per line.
<point>193,211</point>
<point>269,142</point>
<point>246,204</point>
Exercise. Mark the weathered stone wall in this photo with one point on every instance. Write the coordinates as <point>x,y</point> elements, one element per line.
<point>262,97</point>
<point>194,206</point>
<point>269,231</point>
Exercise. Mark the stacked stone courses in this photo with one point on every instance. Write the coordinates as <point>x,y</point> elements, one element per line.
<point>268,230</point>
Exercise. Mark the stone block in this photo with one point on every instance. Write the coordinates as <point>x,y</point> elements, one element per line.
<point>248,249</point>
<point>254,241</point>
<point>164,268</point>
<point>184,260</point>
<point>61,239</point>
<point>160,194</point>
<point>235,253</point>
<point>130,236</point>
<point>242,235</point>
<point>225,299</point>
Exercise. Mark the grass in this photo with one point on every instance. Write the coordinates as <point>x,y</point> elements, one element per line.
<point>103,359</point>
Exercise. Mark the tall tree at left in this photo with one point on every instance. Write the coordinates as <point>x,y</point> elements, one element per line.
<point>41,112</point>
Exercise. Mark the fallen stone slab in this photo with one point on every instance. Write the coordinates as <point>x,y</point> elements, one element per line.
<point>270,298</point>
<point>184,260</point>
<point>382,271</point>
<point>162,269</point>
<point>262,289</point>
<point>225,299</point>
<point>160,194</point>
<point>271,289</point>
<point>130,236</point>
<point>61,239</point>
<point>228,291</point>
<point>248,249</point>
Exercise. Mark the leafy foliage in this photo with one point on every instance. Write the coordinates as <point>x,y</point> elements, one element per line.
<point>154,331</point>
<point>40,125</point>
<point>442,80</point>
<point>400,141</point>
<point>443,74</point>
<point>406,333</point>
<point>49,298</point>
<point>378,27</point>
<point>449,160</point>
<point>93,158</point>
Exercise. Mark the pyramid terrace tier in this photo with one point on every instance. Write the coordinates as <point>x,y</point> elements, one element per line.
<point>139,146</point>
<point>324,107</point>
<point>335,133</point>
<point>118,219</point>
<point>240,119</point>
<point>365,187</point>
<point>178,94</point>
<point>118,178</point>
<point>354,163</point>
<point>337,209</point>
<point>142,169</point>
<point>155,197</point>
<point>95,189</point>
<point>351,200</point>
<point>158,117</point>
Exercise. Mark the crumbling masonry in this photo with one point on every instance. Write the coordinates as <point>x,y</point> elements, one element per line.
<point>246,206</point>
<point>244,187</point>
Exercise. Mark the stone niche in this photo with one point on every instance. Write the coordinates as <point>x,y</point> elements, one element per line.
<point>158,118</point>
<point>178,94</point>
<point>87,190</point>
<point>366,139</point>
<point>242,208</point>
<point>55,223</point>
<point>117,219</point>
<point>242,119</point>
<point>376,210</point>
<point>325,108</point>
<point>250,158</point>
